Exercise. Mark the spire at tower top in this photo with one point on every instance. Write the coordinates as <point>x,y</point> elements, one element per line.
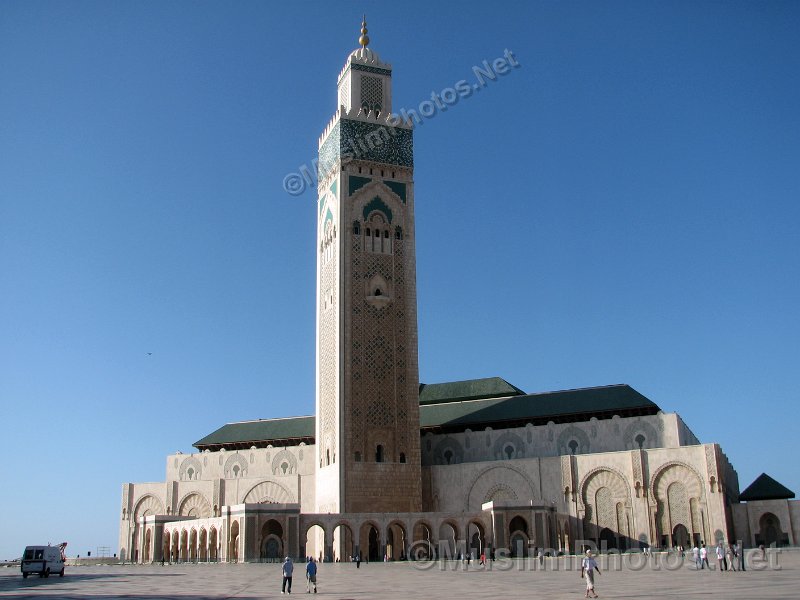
<point>364,39</point>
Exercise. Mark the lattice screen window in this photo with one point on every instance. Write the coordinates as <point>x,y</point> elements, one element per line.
<point>344,95</point>
<point>371,93</point>
<point>604,500</point>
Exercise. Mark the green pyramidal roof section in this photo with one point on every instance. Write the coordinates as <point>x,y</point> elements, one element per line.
<point>247,433</point>
<point>765,488</point>
<point>471,389</point>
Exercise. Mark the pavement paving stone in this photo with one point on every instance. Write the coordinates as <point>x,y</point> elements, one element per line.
<point>662,577</point>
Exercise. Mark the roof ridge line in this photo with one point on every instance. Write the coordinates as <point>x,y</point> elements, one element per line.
<point>274,419</point>
<point>581,389</point>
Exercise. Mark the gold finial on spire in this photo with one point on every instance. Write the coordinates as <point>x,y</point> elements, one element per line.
<point>364,39</point>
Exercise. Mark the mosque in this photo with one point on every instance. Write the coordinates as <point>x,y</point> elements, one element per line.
<point>393,469</point>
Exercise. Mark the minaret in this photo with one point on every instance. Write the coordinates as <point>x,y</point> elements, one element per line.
<point>368,455</point>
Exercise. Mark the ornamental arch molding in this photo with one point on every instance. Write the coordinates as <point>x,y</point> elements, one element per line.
<point>573,440</point>
<point>194,504</point>
<point>676,471</point>
<point>235,466</point>
<point>376,196</point>
<point>500,492</point>
<point>448,452</point>
<point>605,477</point>
<point>284,463</point>
<point>678,499</point>
<point>190,470</point>
<point>148,505</point>
<point>605,494</point>
<point>492,478</point>
<point>508,446</point>
<point>268,492</point>
<point>650,437</point>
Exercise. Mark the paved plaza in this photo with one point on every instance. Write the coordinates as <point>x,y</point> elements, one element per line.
<point>509,580</point>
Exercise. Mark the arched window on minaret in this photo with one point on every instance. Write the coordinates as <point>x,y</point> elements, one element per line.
<point>376,237</point>
<point>398,233</point>
<point>356,228</point>
<point>379,453</point>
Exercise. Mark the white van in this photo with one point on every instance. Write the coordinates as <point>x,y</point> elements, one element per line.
<point>42,560</point>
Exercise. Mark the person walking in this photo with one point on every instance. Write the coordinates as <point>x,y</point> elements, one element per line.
<point>722,564</point>
<point>704,557</point>
<point>358,560</point>
<point>311,576</point>
<point>729,556</point>
<point>696,557</point>
<point>287,569</point>
<point>588,567</point>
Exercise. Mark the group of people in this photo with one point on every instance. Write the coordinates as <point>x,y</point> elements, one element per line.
<point>727,556</point>
<point>288,572</point>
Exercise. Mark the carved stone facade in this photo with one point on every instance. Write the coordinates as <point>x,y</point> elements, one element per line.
<point>367,396</point>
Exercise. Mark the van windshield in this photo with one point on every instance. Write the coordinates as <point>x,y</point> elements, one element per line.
<point>28,554</point>
<point>39,554</point>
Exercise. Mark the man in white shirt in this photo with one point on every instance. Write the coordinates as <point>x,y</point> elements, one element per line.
<point>588,567</point>
<point>722,564</point>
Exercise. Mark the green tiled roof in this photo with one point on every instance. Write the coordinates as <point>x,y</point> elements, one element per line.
<point>491,402</point>
<point>567,405</point>
<point>471,389</point>
<point>765,488</point>
<point>248,433</point>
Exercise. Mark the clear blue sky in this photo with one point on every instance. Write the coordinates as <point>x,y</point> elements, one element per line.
<point>623,208</point>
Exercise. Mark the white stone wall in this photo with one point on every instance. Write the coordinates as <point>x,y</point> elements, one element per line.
<point>639,481</point>
<point>593,436</point>
<point>201,483</point>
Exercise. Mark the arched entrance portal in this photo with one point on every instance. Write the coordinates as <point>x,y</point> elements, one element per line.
<point>193,546</point>
<point>680,536</point>
<point>476,539</point>
<point>212,545</point>
<point>343,543</point>
<point>147,544</point>
<point>175,536</point>
<point>370,542</point>
<point>422,547</point>
<point>272,541</point>
<point>770,531</point>
<point>165,549</point>
<point>448,540</point>
<point>203,546</point>
<point>184,549</point>
<point>233,543</point>
<point>396,541</point>
<point>315,543</point>
<point>518,536</point>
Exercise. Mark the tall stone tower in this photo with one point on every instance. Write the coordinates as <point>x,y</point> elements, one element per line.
<point>367,427</point>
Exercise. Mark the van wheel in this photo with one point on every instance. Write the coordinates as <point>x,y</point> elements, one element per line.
<point>24,575</point>
<point>61,574</point>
